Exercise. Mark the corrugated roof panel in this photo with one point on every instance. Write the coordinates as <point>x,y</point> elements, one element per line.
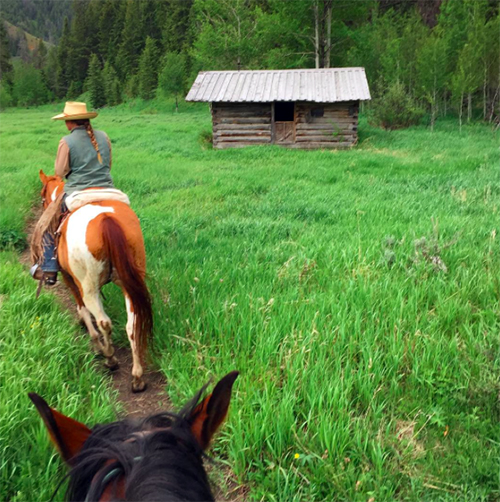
<point>326,85</point>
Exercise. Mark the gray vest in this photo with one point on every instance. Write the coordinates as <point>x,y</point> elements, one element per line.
<point>85,169</point>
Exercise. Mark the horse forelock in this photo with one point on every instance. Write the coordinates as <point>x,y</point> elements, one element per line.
<point>157,458</point>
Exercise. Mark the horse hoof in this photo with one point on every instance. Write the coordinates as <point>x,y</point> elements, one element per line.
<point>139,386</point>
<point>112,363</point>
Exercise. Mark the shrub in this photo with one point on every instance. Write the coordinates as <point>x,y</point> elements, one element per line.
<point>29,88</point>
<point>5,97</point>
<point>395,108</point>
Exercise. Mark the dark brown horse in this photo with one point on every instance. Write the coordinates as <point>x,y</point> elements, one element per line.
<point>157,458</point>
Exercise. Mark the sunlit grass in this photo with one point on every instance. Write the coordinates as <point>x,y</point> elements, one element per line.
<point>370,352</point>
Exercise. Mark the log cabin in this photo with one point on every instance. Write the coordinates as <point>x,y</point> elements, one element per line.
<point>294,108</point>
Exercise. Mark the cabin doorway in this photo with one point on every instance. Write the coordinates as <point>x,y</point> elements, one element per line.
<point>284,122</point>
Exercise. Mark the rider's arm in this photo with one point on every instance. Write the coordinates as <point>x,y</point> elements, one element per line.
<point>62,160</point>
<point>109,144</point>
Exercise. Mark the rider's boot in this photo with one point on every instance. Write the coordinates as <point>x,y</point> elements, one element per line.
<point>48,278</point>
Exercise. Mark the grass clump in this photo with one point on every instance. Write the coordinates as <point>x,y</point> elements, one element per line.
<point>40,353</point>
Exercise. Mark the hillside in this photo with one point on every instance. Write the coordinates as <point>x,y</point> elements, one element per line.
<point>21,43</point>
<point>41,18</point>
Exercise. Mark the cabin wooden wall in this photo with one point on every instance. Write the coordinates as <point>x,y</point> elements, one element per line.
<point>338,128</point>
<point>241,124</point>
<point>246,124</point>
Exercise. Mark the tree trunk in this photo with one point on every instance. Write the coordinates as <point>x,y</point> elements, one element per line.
<point>469,107</point>
<point>484,91</point>
<point>328,39</point>
<point>176,104</point>
<point>461,110</point>
<point>316,32</point>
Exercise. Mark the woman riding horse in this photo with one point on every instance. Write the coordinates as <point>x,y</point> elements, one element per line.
<point>84,159</point>
<point>100,241</point>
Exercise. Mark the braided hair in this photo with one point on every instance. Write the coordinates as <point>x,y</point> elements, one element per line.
<point>90,132</point>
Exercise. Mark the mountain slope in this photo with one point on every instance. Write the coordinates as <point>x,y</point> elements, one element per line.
<point>41,18</point>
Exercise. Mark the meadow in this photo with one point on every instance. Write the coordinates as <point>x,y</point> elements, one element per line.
<point>357,292</point>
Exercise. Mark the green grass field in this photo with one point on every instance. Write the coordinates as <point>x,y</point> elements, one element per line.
<point>357,292</point>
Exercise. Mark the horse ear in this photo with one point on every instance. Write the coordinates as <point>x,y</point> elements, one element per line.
<point>67,434</point>
<point>43,177</point>
<point>211,412</point>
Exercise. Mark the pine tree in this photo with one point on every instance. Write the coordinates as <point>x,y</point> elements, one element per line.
<point>95,83</point>
<point>5,64</point>
<point>83,40</point>
<point>110,27</point>
<point>111,85</point>
<point>176,31</point>
<point>147,70</point>
<point>63,62</point>
<point>173,76</point>
<point>50,70</point>
<point>132,44</point>
<point>40,55</point>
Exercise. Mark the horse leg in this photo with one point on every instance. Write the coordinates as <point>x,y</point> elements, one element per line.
<point>138,384</point>
<point>83,312</point>
<point>93,303</point>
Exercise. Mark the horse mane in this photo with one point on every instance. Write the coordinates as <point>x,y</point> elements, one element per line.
<point>164,464</point>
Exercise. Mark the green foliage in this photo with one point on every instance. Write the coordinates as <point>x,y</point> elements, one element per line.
<point>64,63</point>
<point>132,41</point>
<point>148,77</point>
<point>132,87</point>
<point>5,96</point>
<point>395,108</point>
<point>5,63</point>
<point>172,79</point>
<point>112,87</point>
<point>29,88</point>
<point>95,83</point>
<point>177,29</point>
<point>226,34</point>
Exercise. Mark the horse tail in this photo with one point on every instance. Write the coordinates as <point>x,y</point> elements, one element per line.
<point>121,258</point>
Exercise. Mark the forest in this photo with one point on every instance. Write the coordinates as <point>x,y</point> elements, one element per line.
<point>422,58</point>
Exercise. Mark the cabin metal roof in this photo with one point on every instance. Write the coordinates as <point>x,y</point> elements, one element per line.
<point>326,85</point>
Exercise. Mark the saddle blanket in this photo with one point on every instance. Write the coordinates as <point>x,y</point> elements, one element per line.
<point>81,197</point>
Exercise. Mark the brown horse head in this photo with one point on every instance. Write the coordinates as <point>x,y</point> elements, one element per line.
<point>52,187</point>
<point>156,458</point>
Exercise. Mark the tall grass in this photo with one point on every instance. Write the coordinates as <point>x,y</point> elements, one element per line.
<point>356,291</point>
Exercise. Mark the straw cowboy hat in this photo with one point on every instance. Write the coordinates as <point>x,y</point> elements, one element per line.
<point>75,111</point>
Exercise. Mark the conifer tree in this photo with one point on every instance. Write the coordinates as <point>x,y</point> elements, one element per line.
<point>132,41</point>
<point>40,55</point>
<point>95,83</point>
<point>111,85</point>
<point>5,64</point>
<point>63,62</point>
<point>147,70</point>
<point>177,30</point>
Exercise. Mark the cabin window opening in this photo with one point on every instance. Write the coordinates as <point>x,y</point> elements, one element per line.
<point>317,112</point>
<point>284,111</point>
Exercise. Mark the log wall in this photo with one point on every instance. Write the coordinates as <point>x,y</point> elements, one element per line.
<point>245,124</point>
<point>241,124</point>
<point>337,128</point>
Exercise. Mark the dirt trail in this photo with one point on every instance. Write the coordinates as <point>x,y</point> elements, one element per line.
<point>154,399</point>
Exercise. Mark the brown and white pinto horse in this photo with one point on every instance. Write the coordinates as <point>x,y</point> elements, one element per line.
<point>102,242</point>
